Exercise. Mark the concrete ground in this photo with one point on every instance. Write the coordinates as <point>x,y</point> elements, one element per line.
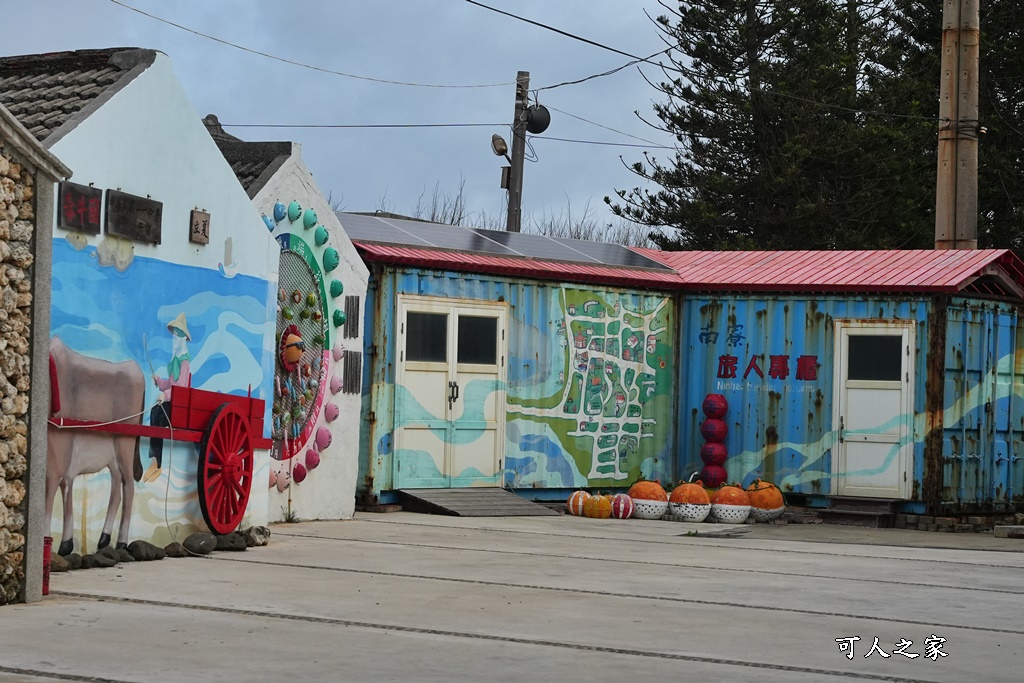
<point>406,597</point>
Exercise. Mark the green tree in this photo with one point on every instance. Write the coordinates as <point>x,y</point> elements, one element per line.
<point>812,124</point>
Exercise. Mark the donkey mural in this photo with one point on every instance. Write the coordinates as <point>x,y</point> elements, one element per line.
<point>92,389</point>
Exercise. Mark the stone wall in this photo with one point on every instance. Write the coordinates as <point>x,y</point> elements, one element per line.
<point>16,226</point>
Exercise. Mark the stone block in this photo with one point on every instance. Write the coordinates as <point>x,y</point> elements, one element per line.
<point>911,519</point>
<point>933,527</point>
<point>945,521</point>
<point>925,520</point>
<point>976,520</point>
<point>1008,531</point>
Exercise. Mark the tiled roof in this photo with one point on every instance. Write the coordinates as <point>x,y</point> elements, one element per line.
<point>254,163</point>
<point>50,93</point>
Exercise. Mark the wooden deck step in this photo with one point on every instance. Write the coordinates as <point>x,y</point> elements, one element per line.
<point>471,502</point>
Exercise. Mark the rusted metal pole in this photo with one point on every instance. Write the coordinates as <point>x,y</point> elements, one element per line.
<point>515,181</point>
<point>956,183</point>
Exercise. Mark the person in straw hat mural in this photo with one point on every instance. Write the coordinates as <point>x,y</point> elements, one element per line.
<point>179,373</point>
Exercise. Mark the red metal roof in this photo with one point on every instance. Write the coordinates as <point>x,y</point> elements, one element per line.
<point>524,267</point>
<point>981,271</point>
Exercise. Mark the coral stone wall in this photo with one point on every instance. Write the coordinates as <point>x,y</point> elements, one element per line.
<point>16,227</point>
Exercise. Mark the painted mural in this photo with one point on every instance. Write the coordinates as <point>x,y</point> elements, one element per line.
<point>599,413</point>
<point>774,362</point>
<point>124,330</point>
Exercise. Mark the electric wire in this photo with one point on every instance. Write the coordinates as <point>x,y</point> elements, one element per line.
<point>594,123</point>
<point>600,142</point>
<point>362,125</point>
<point>302,64</point>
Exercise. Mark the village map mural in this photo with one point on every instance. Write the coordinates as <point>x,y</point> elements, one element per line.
<point>599,413</point>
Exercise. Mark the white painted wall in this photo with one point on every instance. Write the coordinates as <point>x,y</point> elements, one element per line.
<point>148,140</point>
<point>328,492</point>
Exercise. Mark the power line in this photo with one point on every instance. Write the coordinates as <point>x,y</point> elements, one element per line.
<point>603,73</point>
<point>301,64</point>
<point>575,37</point>
<point>594,123</point>
<point>361,125</point>
<point>600,142</point>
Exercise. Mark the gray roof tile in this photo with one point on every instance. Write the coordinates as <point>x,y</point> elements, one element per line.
<point>46,91</point>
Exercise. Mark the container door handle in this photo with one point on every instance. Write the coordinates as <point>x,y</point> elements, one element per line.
<point>842,426</point>
<point>453,393</point>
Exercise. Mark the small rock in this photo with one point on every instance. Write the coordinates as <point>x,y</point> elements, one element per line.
<point>143,551</point>
<point>74,561</point>
<point>256,536</point>
<point>109,552</point>
<point>122,555</point>
<point>233,541</point>
<point>58,564</point>
<point>175,549</point>
<point>200,543</point>
<point>158,553</point>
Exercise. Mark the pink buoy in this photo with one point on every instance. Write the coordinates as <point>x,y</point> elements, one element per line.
<point>336,384</point>
<point>714,430</point>
<point>338,351</point>
<point>312,459</point>
<point>331,412</point>
<point>284,480</point>
<point>713,453</point>
<point>715,406</point>
<point>299,473</point>
<point>323,438</point>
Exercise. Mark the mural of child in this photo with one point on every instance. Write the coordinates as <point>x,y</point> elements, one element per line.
<point>179,373</point>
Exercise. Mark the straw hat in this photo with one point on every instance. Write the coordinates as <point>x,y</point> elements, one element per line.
<point>179,323</point>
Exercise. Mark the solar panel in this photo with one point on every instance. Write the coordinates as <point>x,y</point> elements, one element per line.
<point>422,234</point>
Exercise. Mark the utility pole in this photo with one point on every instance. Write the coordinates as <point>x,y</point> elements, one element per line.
<point>515,180</point>
<point>956,186</point>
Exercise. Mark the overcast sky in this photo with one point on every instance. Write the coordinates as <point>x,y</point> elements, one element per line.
<point>423,41</point>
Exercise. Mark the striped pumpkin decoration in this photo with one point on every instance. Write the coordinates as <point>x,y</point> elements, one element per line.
<point>598,507</point>
<point>576,502</point>
<point>622,506</point>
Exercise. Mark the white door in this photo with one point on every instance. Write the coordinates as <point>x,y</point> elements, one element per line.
<point>450,394</point>
<point>873,409</point>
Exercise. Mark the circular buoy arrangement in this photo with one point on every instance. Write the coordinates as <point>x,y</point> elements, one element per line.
<point>309,313</point>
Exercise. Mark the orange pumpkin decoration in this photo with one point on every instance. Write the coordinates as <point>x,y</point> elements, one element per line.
<point>690,493</point>
<point>647,490</point>
<point>766,500</point>
<point>730,504</point>
<point>576,502</point>
<point>598,507</point>
<point>689,502</point>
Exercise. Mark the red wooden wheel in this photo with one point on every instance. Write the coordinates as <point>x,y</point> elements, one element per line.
<point>225,469</point>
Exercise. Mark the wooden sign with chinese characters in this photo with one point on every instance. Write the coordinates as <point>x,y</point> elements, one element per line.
<point>199,227</point>
<point>134,218</point>
<point>79,208</point>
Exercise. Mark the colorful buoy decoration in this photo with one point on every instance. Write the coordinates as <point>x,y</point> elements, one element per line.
<point>309,219</point>
<point>320,236</point>
<point>577,499</point>
<point>280,211</point>
<point>337,288</point>
<point>269,223</point>
<point>338,318</point>
<point>294,211</point>
<point>331,259</point>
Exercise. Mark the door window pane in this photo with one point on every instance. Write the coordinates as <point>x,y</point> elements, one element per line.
<point>478,340</point>
<point>875,357</point>
<point>426,337</point>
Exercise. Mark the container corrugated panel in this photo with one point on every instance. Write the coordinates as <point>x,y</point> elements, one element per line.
<point>983,436</point>
<point>590,387</point>
<point>772,359</point>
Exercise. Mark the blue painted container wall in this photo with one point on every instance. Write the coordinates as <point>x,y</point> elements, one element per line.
<point>983,435</point>
<point>547,445</point>
<point>780,424</point>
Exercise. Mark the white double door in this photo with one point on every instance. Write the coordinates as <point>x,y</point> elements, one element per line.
<point>450,393</point>
<point>873,409</point>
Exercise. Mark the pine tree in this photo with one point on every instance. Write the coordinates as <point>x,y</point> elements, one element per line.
<point>800,125</point>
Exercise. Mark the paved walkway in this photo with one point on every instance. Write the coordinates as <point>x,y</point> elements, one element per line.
<point>405,597</point>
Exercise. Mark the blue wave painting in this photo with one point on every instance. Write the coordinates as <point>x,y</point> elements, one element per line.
<point>115,315</point>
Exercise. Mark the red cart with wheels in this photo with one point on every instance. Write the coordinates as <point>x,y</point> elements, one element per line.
<point>227,429</point>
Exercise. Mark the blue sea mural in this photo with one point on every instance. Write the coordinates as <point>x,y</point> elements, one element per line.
<point>156,315</point>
